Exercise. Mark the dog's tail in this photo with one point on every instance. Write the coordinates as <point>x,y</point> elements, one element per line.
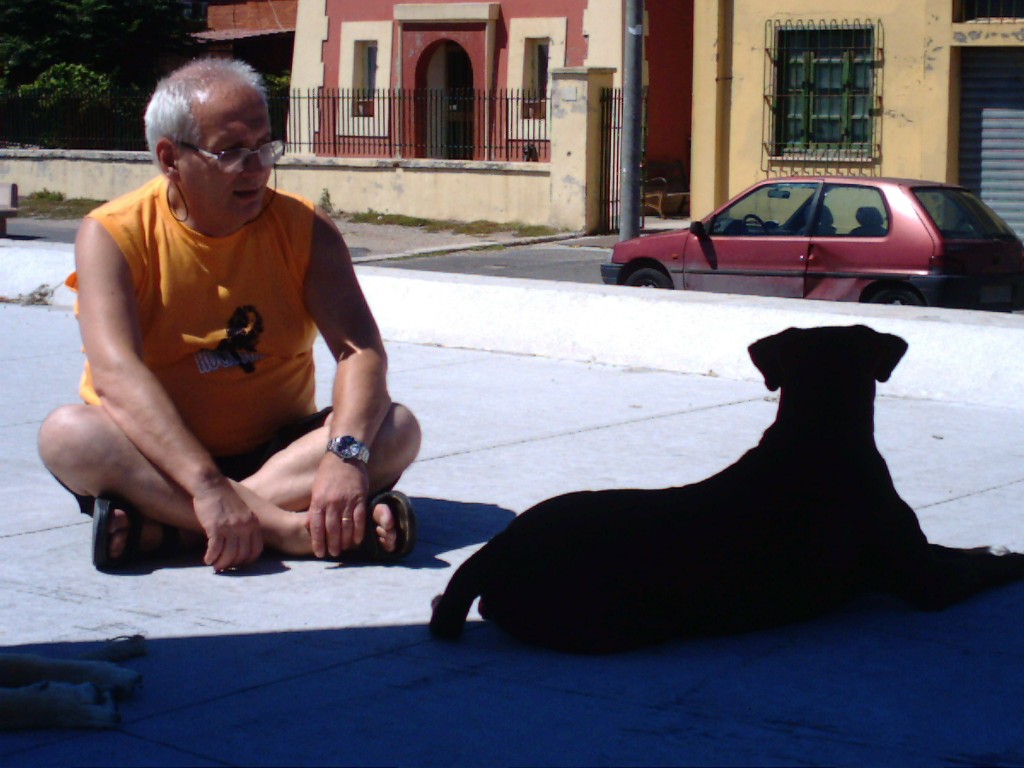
<point>469,581</point>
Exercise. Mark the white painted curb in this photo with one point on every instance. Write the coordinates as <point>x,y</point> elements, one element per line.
<point>29,266</point>
<point>954,355</point>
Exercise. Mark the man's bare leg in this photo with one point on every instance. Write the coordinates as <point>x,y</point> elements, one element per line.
<point>286,479</point>
<point>86,451</point>
<point>74,439</point>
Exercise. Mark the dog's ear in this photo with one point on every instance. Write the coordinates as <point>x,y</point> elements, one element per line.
<point>767,354</point>
<point>890,350</point>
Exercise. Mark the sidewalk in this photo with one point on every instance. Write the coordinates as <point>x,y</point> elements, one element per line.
<point>305,663</point>
<point>33,268</point>
<point>522,386</point>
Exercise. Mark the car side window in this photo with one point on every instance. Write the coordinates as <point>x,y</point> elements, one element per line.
<point>772,210</point>
<point>850,210</point>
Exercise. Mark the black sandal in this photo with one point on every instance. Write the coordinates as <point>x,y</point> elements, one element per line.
<point>101,559</point>
<point>370,550</point>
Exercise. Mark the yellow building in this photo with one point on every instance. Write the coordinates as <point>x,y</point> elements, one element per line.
<point>924,89</point>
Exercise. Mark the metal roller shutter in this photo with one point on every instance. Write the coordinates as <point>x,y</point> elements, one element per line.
<point>992,129</point>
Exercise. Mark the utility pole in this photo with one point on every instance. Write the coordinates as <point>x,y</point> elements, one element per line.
<point>632,123</point>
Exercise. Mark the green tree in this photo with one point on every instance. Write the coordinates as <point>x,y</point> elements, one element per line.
<point>126,40</point>
<point>278,85</point>
<point>71,107</point>
<point>67,80</point>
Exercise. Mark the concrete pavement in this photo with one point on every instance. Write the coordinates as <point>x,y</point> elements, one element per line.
<point>525,390</point>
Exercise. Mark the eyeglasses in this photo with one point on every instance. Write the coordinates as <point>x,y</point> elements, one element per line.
<point>233,160</point>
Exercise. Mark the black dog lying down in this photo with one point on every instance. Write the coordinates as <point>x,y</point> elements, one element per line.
<point>801,523</point>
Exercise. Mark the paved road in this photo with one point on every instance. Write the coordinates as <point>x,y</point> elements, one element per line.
<point>548,261</point>
<point>573,261</point>
<point>576,261</point>
<point>54,230</point>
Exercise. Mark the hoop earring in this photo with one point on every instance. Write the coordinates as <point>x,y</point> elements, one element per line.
<point>184,202</point>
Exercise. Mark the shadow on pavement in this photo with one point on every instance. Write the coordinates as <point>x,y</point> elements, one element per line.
<point>875,684</point>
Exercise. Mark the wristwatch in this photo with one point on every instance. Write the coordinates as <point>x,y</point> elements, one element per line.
<point>347,448</point>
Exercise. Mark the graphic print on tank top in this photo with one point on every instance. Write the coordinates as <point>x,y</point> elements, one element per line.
<point>239,345</point>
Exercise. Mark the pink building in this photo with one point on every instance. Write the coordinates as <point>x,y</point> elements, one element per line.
<point>510,46</point>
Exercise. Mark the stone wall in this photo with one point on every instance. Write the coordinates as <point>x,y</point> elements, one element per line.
<point>563,193</point>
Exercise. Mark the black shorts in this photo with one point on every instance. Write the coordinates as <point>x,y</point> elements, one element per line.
<point>242,465</point>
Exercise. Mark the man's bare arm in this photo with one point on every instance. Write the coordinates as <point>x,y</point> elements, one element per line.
<point>136,402</point>
<point>360,395</point>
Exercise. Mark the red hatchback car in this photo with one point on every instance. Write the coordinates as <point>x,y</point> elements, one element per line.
<point>877,240</point>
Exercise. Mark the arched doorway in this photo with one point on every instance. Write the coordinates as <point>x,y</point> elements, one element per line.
<point>446,76</point>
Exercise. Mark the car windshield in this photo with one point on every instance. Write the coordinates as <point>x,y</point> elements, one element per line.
<point>959,215</point>
<point>781,208</point>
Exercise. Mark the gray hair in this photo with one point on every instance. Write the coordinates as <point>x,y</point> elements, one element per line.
<point>169,114</point>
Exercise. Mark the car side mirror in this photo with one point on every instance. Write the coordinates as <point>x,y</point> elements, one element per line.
<point>698,230</point>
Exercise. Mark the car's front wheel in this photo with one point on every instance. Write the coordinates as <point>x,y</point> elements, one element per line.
<point>648,277</point>
<point>897,296</point>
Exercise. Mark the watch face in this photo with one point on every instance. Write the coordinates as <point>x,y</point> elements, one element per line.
<point>348,447</point>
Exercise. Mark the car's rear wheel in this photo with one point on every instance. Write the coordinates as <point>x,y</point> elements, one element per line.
<point>897,296</point>
<point>648,277</point>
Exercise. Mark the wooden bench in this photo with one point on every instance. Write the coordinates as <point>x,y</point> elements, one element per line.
<point>8,204</point>
<point>666,187</point>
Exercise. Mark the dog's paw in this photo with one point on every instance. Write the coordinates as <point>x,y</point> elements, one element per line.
<point>445,624</point>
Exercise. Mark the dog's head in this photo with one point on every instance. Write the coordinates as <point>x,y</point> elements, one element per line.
<point>840,351</point>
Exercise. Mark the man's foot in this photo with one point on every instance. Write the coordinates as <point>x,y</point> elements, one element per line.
<point>151,535</point>
<point>394,535</point>
<point>121,535</point>
<point>390,536</point>
<point>383,526</point>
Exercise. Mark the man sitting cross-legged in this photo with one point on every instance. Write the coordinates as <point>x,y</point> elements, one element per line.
<point>200,296</point>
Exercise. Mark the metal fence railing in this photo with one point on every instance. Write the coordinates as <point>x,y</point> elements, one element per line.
<point>110,120</point>
<point>506,125</point>
<point>611,151</point>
